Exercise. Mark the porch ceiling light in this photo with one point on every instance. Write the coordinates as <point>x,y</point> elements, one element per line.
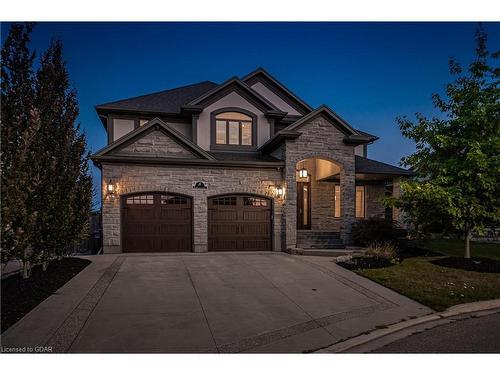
<point>303,173</point>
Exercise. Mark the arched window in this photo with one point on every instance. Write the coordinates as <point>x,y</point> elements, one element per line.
<point>231,128</point>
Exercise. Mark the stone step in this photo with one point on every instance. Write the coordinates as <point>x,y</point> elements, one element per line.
<point>325,252</point>
<point>315,233</point>
<point>332,243</point>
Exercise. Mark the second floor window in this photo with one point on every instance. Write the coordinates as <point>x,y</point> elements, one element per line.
<point>233,129</point>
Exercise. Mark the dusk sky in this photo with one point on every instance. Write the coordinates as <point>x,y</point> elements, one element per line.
<point>369,73</point>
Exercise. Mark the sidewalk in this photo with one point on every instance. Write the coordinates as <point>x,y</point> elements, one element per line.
<point>381,337</point>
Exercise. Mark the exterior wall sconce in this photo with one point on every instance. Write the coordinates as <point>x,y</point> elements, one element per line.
<point>111,188</point>
<point>303,173</point>
<point>280,191</point>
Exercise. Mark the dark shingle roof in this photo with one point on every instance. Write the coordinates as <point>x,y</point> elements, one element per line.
<point>365,165</point>
<point>168,101</point>
<point>243,156</point>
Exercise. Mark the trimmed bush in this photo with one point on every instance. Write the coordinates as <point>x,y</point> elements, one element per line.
<point>384,250</point>
<point>366,232</point>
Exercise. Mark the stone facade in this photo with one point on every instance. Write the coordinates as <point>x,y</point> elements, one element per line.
<point>156,144</point>
<point>319,139</point>
<point>143,178</point>
<point>374,206</point>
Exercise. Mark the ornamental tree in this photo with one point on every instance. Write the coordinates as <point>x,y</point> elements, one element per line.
<point>19,125</point>
<point>457,154</point>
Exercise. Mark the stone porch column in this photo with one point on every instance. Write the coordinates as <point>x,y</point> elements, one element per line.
<point>348,196</point>
<point>200,220</point>
<point>289,219</point>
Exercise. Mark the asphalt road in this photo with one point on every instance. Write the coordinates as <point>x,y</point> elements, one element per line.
<point>474,335</point>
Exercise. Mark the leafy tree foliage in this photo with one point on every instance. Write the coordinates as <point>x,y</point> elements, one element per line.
<point>46,187</point>
<point>457,155</point>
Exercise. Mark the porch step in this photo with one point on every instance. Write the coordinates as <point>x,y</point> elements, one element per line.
<point>319,240</point>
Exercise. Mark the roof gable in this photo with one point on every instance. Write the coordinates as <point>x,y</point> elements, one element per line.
<point>235,85</point>
<point>262,76</point>
<point>333,118</point>
<point>152,126</point>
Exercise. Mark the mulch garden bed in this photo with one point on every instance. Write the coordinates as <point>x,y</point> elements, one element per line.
<point>20,296</point>
<point>408,250</point>
<point>365,263</point>
<point>476,264</point>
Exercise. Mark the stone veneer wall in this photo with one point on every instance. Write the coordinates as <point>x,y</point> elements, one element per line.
<point>156,144</point>
<point>374,206</point>
<point>319,139</point>
<point>143,178</point>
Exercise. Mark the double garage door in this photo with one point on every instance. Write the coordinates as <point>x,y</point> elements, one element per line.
<point>161,222</point>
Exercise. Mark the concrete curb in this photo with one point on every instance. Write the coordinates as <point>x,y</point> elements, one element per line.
<point>378,338</point>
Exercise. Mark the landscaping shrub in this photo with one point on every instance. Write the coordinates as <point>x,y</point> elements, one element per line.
<point>384,250</point>
<point>366,232</point>
<point>378,255</point>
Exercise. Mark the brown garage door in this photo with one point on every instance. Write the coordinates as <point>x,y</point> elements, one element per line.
<point>239,223</point>
<point>156,223</point>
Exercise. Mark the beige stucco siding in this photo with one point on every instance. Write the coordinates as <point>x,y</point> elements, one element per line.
<point>231,100</point>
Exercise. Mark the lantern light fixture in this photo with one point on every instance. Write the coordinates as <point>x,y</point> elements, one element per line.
<point>111,188</point>
<point>303,173</point>
<point>280,191</point>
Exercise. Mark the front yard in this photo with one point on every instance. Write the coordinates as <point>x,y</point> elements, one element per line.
<point>436,286</point>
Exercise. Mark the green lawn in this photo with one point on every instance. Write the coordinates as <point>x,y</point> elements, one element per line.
<point>440,287</point>
<point>456,248</point>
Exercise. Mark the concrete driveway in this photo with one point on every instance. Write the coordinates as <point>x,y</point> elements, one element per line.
<point>218,302</point>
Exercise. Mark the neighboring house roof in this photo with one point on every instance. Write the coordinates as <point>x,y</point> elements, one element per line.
<point>261,75</point>
<point>369,166</point>
<point>167,101</point>
<point>158,124</point>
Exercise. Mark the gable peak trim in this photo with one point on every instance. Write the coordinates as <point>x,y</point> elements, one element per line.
<point>155,124</point>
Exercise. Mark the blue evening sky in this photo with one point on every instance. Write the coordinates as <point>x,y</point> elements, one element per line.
<point>369,73</point>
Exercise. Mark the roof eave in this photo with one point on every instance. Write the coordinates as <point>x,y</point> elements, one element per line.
<point>262,71</point>
<point>358,139</point>
<point>277,139</point>
<point>98,160</point>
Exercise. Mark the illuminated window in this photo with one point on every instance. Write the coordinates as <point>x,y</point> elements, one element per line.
<point>234,129</point>
<point>173,199</point>
<point>256,202</point>
<point>336,201</point>
<point>142,121</point>
<point>360,201</point>
<point>141,199</point>
<point>224,201</point>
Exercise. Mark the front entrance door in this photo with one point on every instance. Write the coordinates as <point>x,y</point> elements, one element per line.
<point>303,205</point>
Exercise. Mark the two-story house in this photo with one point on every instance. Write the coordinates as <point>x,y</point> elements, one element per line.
<point>245,165</point>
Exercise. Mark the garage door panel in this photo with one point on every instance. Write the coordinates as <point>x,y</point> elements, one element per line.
<point>156,223</point>
<point>223,230</point>
<point>255,245</point>
<point>175,214</point>
<point>223,244</point>
<point>257,215</point>
<point>255,230</point>
<point>222,215</point>
<point>239,223</point>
